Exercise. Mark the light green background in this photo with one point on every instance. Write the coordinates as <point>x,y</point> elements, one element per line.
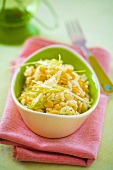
<point>96,18</point>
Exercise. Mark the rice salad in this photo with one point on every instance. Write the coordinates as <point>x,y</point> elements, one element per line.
<point>55,88</point>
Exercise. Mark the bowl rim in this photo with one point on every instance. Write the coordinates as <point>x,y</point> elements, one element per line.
<point>84,114</point>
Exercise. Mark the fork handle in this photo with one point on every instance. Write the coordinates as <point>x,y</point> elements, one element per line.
<point>104,80</point>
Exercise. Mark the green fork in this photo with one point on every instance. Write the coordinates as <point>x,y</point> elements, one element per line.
<point>76,34</point>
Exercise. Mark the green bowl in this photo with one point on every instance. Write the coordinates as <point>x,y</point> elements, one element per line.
<point>69,56</point>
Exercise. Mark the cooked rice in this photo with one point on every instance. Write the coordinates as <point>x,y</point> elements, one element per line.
<point>55,88</point>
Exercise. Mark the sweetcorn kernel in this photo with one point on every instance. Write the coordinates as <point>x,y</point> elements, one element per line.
<point>75,108</point>
<point>73,76</point>
<point>80,83</point>
<point>63,81</point>
<point>69,71</point>
<point>85,89</point>
<point>42,77</point>
<point>49,104</point>
<point>42,68</point>
<point>57,106</point>
<point>54,112</point>
<point>75,90</point>
<point>64,75</point>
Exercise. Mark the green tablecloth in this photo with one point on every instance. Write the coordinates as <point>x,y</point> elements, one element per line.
<point>96,18</point>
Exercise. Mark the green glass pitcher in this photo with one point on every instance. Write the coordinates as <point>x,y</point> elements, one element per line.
<point>15,20</point>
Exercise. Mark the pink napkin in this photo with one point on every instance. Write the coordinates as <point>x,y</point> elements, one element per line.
<point>80,148</point>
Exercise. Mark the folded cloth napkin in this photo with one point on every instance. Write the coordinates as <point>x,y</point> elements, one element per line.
<point>80,148</point>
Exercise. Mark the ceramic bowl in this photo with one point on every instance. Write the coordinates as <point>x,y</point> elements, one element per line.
<point>52,125</point>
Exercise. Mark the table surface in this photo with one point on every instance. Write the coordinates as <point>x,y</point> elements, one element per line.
<point>96,18</point>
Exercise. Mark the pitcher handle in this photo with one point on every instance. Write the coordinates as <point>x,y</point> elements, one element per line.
<point>54,14</point>
<point>51,9</point>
